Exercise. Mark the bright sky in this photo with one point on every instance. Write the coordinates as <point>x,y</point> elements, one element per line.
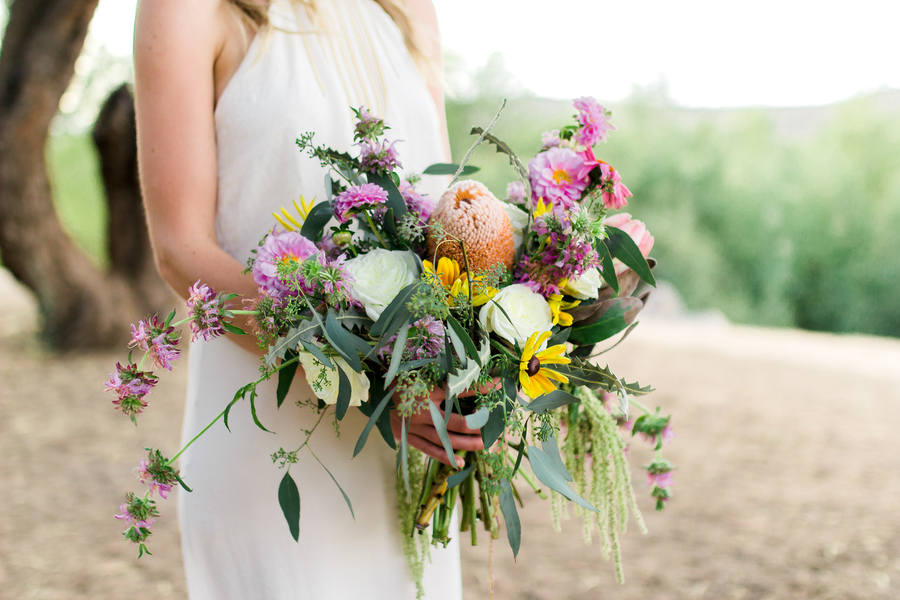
<point>710,53</point>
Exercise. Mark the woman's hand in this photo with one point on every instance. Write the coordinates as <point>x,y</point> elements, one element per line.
<point>422,435</point>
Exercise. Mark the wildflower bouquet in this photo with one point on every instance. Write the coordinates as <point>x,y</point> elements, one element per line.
<point>384,297</point>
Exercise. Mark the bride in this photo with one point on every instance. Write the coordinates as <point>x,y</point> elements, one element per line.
<point>222,89</point>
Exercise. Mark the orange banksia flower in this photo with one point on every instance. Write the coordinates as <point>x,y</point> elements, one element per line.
<point>470,212</point>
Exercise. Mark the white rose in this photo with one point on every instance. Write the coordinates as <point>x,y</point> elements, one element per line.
<point>527,311</point>
<point>380,275</point>
<point>325,382</point>
<point>518,218</point>
<point>587,285</point>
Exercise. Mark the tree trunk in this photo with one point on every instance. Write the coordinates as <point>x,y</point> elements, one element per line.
<point>80,306</point>
<point>130,253</point>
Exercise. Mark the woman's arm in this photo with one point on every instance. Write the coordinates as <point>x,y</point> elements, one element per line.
<point>176,55</point>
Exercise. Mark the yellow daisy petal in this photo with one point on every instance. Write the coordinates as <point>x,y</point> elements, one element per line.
<point>283,223</point>
<point>550,374</point>
<point>288,216</point>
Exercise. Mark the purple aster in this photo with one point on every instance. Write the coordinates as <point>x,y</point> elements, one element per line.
<point>418,203</point>
<point>426,340</point>
<point>158,339</point>
<point>515,192</point>
<point>208,309</point>
<point>378,156</point>
<point>131,387</point>
<point>559,176</point>
<point>594,120</point>
<point>358,198</point>
<point>280,248</point>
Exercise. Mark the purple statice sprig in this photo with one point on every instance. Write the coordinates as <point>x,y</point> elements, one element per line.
<point>158,474</point>
<point>659,475</point>
<point>139,515</point>
<point>131,387</point>
<point>368,126</point>
<point>158,339</point>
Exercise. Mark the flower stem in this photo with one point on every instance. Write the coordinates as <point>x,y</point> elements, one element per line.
<point>375,230</point>
<point>639,406</point>
<point>172,460</point>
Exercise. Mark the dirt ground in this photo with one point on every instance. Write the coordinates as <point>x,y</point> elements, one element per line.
<point>787,480</point>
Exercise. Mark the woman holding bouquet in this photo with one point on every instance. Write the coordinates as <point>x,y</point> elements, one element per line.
<point>223,88</point>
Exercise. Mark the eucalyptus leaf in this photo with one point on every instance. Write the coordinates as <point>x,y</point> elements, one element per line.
<point>291,340</point>
<point>511,516</point>
<point>395,199</point>
<point>607,268</point>
<point>545,470</point>
<point>621,246</point>
<point>459,382</point>
<point>316,221</point>
<point>438,419</point>
<point>289,499</point>
<point>317,352</point>
<point>343,493</point>
<point>546,402</point>
<point>612,321</point>
<point>253,411</point>
<point>388,314</point>
<point>397,356</point>
<point>373,419</point>
<point>463,335</point>
<point>343,399</point>
<point>449,169</point>
<point>457,478</point>
<point>551,449</point>
<point>478,419</point>
<point>339,338</point>
<point>286,376</point>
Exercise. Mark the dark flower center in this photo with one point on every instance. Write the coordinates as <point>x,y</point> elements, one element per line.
<point>534,365</point>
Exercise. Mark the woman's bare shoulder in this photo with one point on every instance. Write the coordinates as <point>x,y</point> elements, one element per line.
<point>186,27</point>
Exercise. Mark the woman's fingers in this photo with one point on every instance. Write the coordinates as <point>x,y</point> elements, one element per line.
<point>433,450</point>
<point>457,441</point>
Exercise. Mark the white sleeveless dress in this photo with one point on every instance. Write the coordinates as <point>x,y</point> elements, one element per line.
<point>236,542</point>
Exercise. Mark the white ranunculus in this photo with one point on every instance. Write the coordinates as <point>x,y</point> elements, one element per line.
<point>587,286</point>
<point>528,312</point>
<point>518,218</point>
<point>325,382</point>
<point>380,275</point>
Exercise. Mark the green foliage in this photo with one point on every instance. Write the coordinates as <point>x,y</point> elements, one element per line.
<point>768,229</point>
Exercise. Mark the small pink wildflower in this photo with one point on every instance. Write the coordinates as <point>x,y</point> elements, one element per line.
<point>594,120</point>
<point>155,472</point>
<point>358,198</point>
<point>420,204</point>
<point>551,139</point>
<point>615,194</point>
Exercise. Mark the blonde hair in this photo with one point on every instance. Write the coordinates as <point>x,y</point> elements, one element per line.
<point>256,15</point>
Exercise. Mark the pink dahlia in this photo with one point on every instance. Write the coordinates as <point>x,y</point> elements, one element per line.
<point>280,248</point>
<point>358,198</point>
<point>594,121</point>
<point>559,176</point>
<point>615,194</point>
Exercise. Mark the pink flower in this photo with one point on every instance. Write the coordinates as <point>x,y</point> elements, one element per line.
<point>636,230</point>
<point>594,121</point>
<point>155,472</point>
<point>551,139</point>
<point>358,198</point>
<point>615,194</point>
<point>662,480</point>
<point>418,203</point>
<point>280,248</point>
<point>559,176</point>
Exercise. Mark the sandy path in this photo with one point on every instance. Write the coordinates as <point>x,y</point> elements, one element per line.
<point>787,482</point>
